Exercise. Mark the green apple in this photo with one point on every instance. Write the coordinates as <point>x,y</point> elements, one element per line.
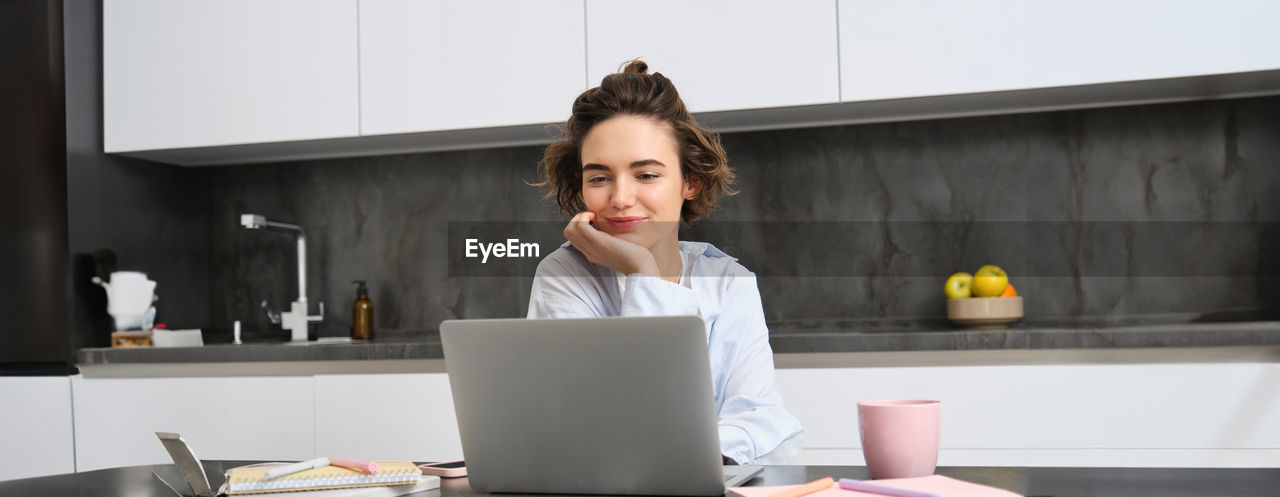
<point>989,281</point>
<point>958,286</point>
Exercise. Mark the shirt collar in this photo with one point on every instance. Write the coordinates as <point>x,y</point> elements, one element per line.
<point>703,249</point>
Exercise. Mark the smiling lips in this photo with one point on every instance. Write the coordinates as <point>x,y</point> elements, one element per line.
<point>624,223</point>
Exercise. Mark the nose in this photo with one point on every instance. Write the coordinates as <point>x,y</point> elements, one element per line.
<point>624,194</point>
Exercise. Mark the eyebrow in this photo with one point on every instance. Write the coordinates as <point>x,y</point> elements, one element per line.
<point>639,163</point>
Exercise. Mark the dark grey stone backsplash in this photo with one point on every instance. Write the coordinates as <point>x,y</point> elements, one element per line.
<point>870,197</point>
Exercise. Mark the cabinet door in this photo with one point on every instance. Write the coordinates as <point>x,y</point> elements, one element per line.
<point>937,47</point>
<point>35,427</point>
<point>722,54</point>
<point>265,418</point>
<point>190,73</point>
<point>451,64</point>
<point>1101,415</point>
<point>386,417</point>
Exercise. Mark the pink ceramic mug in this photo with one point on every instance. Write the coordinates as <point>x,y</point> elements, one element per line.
<point>900,437</point>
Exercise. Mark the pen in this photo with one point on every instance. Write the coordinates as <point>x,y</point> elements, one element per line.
<point>297,467</point>
<point>871,488</point>
<point>361,466</point>
<point>806,489</point>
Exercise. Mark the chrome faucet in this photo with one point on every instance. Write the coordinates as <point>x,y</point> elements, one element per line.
<point>296,319</point>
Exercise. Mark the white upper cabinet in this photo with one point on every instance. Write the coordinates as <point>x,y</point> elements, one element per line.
<point>203,82</point>
<point>722,54</point>
<point>454,64</point>
<point>909,48</point>
<point>189,73</point>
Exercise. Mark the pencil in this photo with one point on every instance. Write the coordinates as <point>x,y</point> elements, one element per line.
<point>361,466</point>
<point>871,488</point>
<point>806,489</point>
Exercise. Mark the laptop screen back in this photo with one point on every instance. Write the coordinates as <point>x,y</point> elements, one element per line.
<point>590,406</point>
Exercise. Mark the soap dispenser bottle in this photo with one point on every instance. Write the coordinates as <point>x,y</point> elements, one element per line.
<point>362,313</point>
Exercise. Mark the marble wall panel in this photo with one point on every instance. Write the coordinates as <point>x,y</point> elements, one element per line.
<point>1108,213</point>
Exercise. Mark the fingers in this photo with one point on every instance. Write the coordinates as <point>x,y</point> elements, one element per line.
<point>579,231</point>
<point>573,233</point>
<point>600,247</point>
<point>580,220</point>
<point>572,227</point>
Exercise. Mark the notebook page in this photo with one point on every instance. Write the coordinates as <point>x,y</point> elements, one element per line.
<point>938,484</point>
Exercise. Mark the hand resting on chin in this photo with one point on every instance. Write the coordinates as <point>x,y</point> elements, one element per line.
<point>607,250</point>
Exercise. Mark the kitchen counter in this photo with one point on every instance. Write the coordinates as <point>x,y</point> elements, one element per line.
<point>826,338</point>
<point>794,344</point>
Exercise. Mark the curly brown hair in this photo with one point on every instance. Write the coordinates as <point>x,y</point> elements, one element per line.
<point>633,92</point>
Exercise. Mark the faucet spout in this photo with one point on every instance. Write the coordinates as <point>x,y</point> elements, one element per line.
<point>256,221</point>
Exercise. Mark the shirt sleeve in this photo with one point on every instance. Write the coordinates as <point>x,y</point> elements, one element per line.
<point>562,292</point>
<point>755,428</point>
<point>654,296</point>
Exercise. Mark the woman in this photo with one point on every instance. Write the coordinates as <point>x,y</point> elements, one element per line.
<point>633,165</point>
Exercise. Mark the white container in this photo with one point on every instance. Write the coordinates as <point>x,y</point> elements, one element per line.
<point>129,298</point>
<point>129,293</point>
<point>161,337</point>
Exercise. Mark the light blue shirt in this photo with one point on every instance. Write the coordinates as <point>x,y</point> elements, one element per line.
<point>754,426</point>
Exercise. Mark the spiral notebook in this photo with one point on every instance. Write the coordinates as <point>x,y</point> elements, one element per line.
<point>250,479</point>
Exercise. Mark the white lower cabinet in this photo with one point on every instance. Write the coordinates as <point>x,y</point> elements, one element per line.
<point>286,418</point>
<point>386,417</point>
<point>269,418</point>
<point>1100,415</point>
<point>35,427</point>
<point>1107,415</point>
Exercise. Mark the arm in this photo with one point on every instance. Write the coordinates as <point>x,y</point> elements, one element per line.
<point>562,289</point>
<point>567,287</point>
<point>569,284</point>
<point>754,425</point>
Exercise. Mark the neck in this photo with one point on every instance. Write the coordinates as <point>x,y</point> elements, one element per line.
<point>667,254</point>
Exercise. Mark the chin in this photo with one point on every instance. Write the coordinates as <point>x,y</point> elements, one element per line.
<point>642,235</point>
<point>634,237</point>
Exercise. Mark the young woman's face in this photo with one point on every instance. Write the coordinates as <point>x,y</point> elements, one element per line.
<point>631,179</point>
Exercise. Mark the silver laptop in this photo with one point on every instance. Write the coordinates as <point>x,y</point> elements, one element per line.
<point>587,406</point>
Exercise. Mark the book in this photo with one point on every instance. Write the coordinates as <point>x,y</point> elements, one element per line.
<point>937,484</point>
<point>251,479</point>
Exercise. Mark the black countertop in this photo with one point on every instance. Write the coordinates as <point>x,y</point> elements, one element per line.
<point>1031,482</point>
<point>785,338</point>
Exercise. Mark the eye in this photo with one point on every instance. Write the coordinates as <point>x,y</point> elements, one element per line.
<point>647,176</point>
<point>596,180</point>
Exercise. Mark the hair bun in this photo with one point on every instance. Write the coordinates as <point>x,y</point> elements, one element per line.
<point>636,66</point>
